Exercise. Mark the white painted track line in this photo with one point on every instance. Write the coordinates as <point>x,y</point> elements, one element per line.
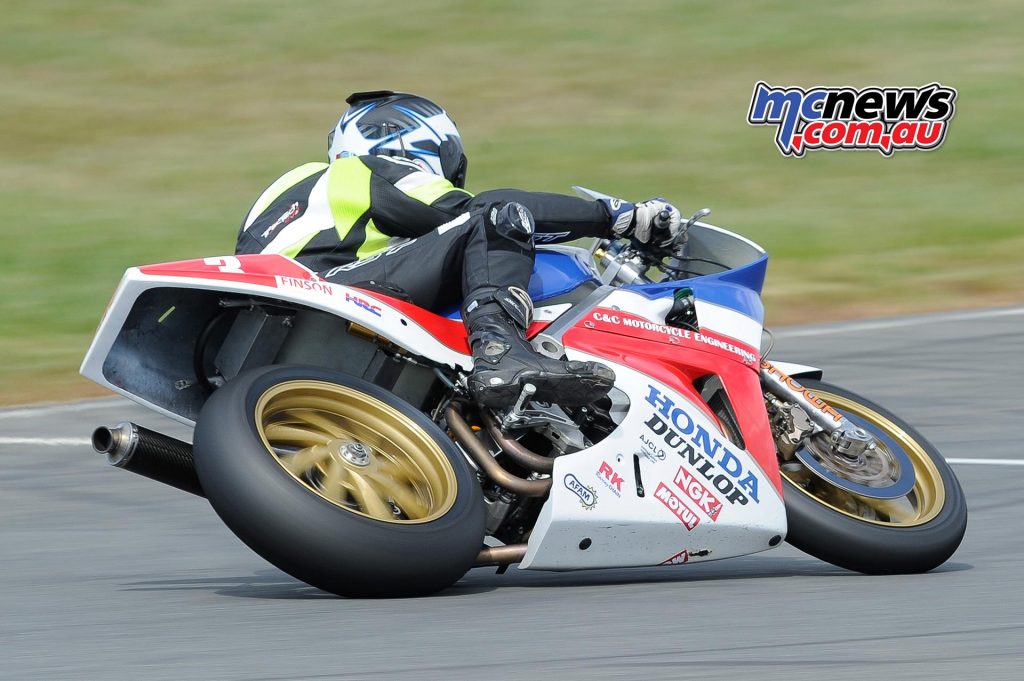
<point>786,332</point>
<point>81,441</point>
<point>792,332</point>
<point>43,409</point>
<point>988,462</point>
<point>853,327</point>
<point>46,441</point>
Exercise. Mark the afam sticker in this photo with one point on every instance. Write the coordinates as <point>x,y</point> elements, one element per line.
<point>587,495</point>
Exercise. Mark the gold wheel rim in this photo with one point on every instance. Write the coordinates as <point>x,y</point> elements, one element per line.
<point>356,451</point>
<point>919,506</point>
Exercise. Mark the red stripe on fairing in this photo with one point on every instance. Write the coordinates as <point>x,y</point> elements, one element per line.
<point>252,269</point>
<point>744,389</point>
<point>449,332</point>
<point>633,326</point>
<point>679,369</point>
<point>263,270</point>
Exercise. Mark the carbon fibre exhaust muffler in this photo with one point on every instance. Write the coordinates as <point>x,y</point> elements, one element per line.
<point>150,454</point>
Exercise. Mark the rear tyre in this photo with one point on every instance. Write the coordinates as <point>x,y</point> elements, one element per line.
<point>338,482</point>
<point>914,533</point>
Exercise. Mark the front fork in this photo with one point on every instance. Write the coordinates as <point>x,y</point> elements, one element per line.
<point>809,414</point>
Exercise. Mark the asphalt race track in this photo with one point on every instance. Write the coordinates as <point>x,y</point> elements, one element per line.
<point>105,575</point>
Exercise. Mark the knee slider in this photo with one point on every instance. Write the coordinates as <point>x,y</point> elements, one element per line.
<point>513,221</point>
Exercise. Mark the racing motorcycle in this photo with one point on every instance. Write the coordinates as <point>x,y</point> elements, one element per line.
<point>334,434</point>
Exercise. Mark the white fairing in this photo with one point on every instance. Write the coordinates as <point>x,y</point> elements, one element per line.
<point>797,370</point>
<point>349,303</point>
<point>666,487</point>
<point>703,497</point>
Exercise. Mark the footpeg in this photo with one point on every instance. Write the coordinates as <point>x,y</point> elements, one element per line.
<point>529,389</point>
<point>516,413</point>
<point>521,417</point>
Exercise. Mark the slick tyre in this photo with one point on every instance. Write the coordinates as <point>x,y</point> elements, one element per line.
<point>914,533</point>
<point>338,482</point>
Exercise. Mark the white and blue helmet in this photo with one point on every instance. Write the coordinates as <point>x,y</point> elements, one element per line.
<point>386,123</point>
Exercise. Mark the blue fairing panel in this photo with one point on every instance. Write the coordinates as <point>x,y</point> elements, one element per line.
<point>737,289</point>
<point>557,270</point>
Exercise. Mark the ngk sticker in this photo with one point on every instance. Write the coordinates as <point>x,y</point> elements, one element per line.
<point>698,493</point>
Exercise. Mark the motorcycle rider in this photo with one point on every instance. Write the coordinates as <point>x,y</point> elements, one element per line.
<point>390,210</point>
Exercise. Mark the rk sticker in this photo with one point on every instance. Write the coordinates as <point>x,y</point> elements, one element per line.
<point>610,478</point>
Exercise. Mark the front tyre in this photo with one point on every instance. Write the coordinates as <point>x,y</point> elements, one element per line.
<point>338,482</point>
<point>913,533</point>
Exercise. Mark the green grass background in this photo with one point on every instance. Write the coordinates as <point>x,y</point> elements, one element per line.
<point>135,132</point>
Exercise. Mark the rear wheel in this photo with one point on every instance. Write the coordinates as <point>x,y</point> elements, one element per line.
<point>915,532</point>
<point>338,482</point>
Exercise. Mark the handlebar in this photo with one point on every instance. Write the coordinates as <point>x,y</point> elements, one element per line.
<point>628,261</point>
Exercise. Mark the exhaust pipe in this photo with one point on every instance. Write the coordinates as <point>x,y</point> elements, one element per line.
<point>479,453</point>
<point>500,556</point>
<point>150,454</point>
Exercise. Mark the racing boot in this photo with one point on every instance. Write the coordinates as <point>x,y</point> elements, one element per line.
<point>504,361</point>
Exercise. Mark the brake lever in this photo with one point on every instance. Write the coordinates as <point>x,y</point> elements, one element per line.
<point>680,238</point>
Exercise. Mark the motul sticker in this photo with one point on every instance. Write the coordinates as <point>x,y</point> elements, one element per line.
<point>673,503</point>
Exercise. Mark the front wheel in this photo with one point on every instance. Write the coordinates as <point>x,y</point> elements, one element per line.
<point>339,482</point>
<point>913,533</point>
